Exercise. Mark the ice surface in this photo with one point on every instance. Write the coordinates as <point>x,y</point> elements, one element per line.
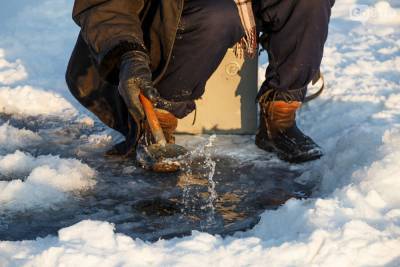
<point>353,218</point>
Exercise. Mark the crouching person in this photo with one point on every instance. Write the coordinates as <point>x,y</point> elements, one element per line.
<point>167,50</point>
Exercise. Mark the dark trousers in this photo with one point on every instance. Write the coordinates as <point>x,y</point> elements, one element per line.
<point>207,29</point>
<point>294,34</point>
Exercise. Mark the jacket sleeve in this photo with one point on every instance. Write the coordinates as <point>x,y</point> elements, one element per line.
<point>110,28</point>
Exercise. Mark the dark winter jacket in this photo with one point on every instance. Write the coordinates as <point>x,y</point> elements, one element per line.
<point>109,28</point>
<point>112,27</point>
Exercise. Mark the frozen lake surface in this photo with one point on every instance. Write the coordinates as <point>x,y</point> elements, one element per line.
<point>217,192</point>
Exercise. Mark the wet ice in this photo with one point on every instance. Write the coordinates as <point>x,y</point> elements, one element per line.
<point>215,192</point>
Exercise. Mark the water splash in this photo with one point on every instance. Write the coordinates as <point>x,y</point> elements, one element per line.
<point>205,172</point>
<point>209,167</point>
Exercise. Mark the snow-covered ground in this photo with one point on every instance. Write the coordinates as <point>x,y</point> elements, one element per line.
<point>353,219</point>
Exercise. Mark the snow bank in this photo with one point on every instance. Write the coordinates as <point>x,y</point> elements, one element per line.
<point>28,181</point>
<point>12,138</point>
<point>29,101</point>
<point>41,182</point>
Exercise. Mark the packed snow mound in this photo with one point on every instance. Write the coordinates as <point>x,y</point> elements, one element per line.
<point>12,138</point>
<point>11,72</point>
<point>29,101</point>
<point>40,182</point>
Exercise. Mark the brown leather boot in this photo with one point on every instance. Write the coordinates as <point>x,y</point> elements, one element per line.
<point>168,123</point>
<point>278,133</point>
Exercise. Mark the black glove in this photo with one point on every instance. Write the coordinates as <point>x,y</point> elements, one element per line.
<point>135,77</point>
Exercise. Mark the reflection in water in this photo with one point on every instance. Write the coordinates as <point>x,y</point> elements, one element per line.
<point>214,192</point>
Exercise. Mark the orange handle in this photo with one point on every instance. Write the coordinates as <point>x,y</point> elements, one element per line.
<point>152,120</point>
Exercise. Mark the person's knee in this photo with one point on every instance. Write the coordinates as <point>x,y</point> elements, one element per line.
<point>221,19</point>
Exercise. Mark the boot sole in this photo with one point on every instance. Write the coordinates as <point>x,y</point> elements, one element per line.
<point>267,146</point>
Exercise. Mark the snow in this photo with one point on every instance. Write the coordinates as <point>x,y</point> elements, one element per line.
<point>30,101</point>
<point>48,180</point>
<point>27,100</point>
<point>11,72</point>
<point>12,138</point>
<point>352,220</point>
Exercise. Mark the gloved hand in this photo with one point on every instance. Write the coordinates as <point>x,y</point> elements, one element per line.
<point>135,77</point>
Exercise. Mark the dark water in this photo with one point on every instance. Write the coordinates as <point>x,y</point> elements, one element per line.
<point>215,192</point>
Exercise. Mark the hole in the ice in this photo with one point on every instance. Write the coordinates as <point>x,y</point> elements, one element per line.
<point>217,194</point>
<point>158,207</point>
